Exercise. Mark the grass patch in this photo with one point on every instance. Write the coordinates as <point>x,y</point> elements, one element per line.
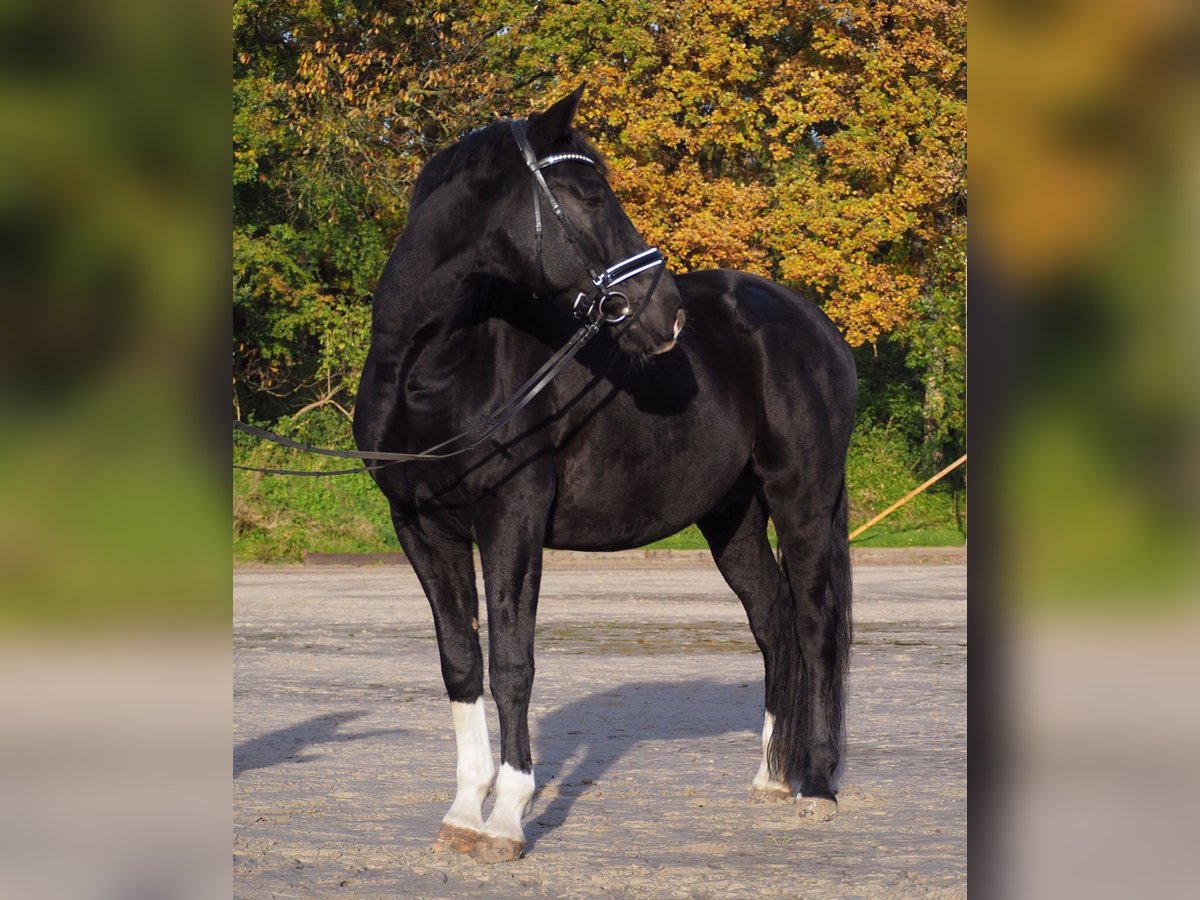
<point>688,539</point>
<point>910,537</point>
<point>281,517</point>
<point>881,469</point>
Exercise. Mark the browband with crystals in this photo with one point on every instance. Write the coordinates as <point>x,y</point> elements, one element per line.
<point>548,161</point>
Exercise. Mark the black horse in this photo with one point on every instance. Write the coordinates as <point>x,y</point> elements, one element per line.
<point>745,413</point>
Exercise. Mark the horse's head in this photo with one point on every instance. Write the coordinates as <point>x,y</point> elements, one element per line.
<point>562,231</point>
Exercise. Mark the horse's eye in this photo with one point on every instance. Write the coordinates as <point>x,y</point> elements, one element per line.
<point>593,201</point>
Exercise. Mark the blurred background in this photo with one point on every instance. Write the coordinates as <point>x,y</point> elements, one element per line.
<point>1085,348</point>
<point>1082,322</point>
<point>115,676</point>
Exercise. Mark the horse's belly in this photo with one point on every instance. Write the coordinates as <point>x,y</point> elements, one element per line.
<point>644,481</point>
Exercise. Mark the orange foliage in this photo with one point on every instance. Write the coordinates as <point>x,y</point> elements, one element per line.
<point>822,144</point>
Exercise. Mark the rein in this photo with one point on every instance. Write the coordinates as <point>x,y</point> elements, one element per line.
<point>477,434</point>
<point>588,306</point>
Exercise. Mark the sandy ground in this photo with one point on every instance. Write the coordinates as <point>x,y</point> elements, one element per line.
<point>645,720</point>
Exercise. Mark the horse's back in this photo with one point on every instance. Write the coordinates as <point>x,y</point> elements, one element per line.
<point>805,385</point>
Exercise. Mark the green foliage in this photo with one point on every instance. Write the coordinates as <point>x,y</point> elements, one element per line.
<point>821,146</point>
<point>282,518</point>
<point>881,468</point>
<point>889,392</point>
<point>936,342</point>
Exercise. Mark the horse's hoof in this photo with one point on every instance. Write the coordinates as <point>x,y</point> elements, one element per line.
<point>455,838</point>
<point>490,849</point>
<point>770,794</point>
<point>817,809</point>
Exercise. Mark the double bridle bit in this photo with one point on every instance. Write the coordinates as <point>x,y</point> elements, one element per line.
<point>602,304</point>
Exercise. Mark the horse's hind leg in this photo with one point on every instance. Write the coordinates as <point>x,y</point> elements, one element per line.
<point>800,617</point>
<point>737,535</point>
<point>445,567</point>
<point>811,525</point>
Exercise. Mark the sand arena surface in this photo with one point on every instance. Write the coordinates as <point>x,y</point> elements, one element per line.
<point>645,723</point>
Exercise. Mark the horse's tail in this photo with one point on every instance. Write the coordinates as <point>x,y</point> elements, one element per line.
<point>838,594</point>
<point>827,631</point>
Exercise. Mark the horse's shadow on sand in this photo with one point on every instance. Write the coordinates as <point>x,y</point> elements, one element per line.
<point>579,743</point>
<point>289,743</point>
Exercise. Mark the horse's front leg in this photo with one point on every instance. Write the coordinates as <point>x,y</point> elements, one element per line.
<point>445,567</point>
<point>511,552</point>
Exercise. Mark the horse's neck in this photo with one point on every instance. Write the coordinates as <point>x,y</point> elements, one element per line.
<point>449,335</point>
<point>446,345</point>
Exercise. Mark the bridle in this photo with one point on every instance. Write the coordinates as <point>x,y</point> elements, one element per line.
<point>595,307</point>
<point>598,303</point>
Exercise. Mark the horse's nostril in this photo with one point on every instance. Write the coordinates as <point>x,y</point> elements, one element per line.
<point>680,318</point>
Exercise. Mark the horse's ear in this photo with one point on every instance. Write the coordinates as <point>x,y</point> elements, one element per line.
<point>555,123</point>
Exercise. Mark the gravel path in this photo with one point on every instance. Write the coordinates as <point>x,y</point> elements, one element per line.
<point>645,723</point>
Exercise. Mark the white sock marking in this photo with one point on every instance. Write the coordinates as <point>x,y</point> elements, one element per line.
<point>475,767</point>
<point>763,779</point>
<point>514,793</point>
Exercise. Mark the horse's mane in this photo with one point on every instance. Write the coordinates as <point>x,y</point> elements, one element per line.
<point>478,150</point>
